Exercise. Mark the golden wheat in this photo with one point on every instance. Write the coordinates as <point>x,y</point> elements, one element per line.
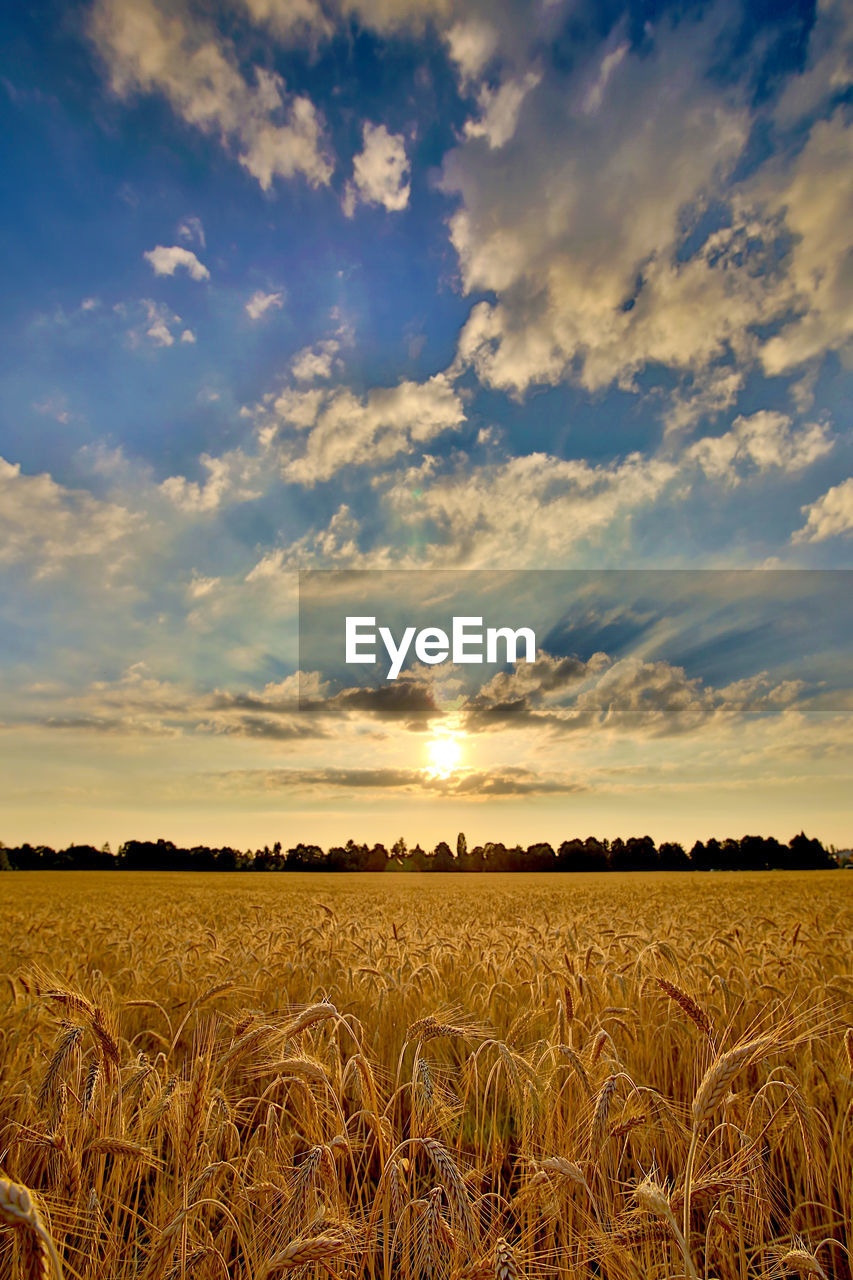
<point>416,1078</point>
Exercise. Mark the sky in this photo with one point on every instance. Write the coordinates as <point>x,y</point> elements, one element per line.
<point>553,297</point>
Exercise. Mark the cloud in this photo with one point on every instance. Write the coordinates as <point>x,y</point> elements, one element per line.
<point>336,544</point>
<point>627,698</point>
<point>380,171</point>
<point>814,194</point>
<point>758,443</point>
<point>616,233</point>
<point>319,433</point>
<point>828,69</point>
<point>471,43</point>
<point>706,396</point>
<point>579,205</point>
<point>408,700</point>
<point>548,675</point>
<point>537,509</point>
<point>500,109</point>
<point>652,698</point>
<point>232,477</point>
<point>140,703</point>
<point>54,407</point>
<point>291,21</point>
<point>830,516</point>
<point>45,525</point>
<point>260,303</point>
<point>158,325</point>
<point>191,229</point>
<point>147,49</point>
<point>530,510</point>
<point>315,362</point>
<point>298,707</point>
<point>500,781</point>
<point>595,95</point>
<point>166,261</point>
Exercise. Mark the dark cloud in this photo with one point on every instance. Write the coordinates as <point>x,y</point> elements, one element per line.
<point>503,781</point>
<point>405,700</point>
<point>272,730</point>
<point>633,697</point>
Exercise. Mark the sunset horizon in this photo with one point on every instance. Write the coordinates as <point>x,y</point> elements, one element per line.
<point>415,305</point>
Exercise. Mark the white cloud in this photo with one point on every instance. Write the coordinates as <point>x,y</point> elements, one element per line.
<point>172,52</point>
<point>829,516</point>
<point>166,261</point>
<point>260,303</point>
<point>761,442</point>
<point>539,510</point>
<point>574,225</point>
<point>233,477</point>
<point>157,326</point>
<point>532,510</point>
<point>343,430</point>
<point>315,362</point>
<point>291,20</point>
<point>336,544</point>
<point>815,195</point>
<point>298,409</point>
<point>576,214</point>
<point>380,171</point>
<point>45,525</point>
<point>200,586</point>
<point>286,150</point>
<point>188,336</point>
<point>472,42</point>
<point>500,109</point>
<point>710,392</point>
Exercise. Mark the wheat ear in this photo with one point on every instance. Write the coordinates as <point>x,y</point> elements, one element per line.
<point>506,1266</point>
<point>38,1253</point>
<point>712,1089</point>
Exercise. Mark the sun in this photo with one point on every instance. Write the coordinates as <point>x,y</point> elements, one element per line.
<point>444,755</point>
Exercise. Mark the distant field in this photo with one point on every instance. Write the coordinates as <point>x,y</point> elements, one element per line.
<point>369,1076</point>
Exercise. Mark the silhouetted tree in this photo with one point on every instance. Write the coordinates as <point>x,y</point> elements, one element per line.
<point>377,859</point>
<point>442,858</point>
<point>751,852</point>
<point>808,855</point>
<point>671,857</point>
<point>306,857</point>
<point>540,857</point>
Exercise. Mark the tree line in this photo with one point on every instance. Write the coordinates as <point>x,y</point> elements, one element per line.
<point>639,853</point>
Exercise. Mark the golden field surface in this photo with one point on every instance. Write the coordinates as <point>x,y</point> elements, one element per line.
<point>376,1076</point>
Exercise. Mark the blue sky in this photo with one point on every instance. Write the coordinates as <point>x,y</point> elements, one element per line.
<point>418,285</point>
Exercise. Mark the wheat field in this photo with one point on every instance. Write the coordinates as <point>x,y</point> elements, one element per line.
<point>369,1076</point>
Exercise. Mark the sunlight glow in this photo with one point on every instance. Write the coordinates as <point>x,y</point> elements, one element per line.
<point>444,755</point>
